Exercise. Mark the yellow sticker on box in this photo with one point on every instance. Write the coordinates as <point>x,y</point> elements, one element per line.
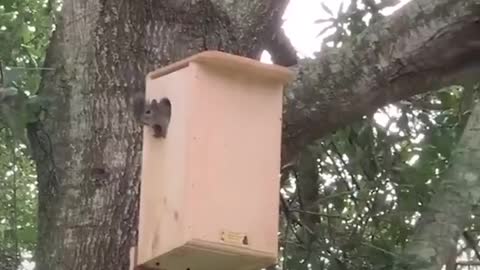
<point>234,238</point>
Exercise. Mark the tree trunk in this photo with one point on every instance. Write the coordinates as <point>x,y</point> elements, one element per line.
<point>88,149</point>
<point>448,213</point>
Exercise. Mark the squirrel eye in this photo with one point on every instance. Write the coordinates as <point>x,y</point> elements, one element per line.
<point>147,112</point>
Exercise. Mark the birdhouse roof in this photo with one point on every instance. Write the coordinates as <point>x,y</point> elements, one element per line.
<point>230,62</point>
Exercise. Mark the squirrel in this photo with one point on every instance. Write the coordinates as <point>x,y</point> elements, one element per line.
<point>152,113</point>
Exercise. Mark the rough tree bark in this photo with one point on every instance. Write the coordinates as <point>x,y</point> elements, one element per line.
<point>448,213</point>
<point>88,149</point>
<point>422,47</point>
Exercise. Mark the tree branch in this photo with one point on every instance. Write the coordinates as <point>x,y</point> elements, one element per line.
<point>261,16</point>
<point>422,47</point>
<point>447,214</point>
<point>281,49</point>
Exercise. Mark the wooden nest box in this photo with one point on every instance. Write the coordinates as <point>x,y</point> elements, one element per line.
<point>210,187</point>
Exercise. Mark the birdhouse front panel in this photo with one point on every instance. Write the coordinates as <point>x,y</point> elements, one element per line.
<point>162,223</point>
<point>209,191</point>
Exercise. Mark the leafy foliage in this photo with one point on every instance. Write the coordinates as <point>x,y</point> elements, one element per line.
<point>25,28</point>
<point>18,206</point>
<point>352,199</point>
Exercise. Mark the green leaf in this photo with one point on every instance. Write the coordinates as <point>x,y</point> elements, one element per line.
<point>327,9</point>
<point>323,20</point>
<point>340,9</point>
<point>27,235</point>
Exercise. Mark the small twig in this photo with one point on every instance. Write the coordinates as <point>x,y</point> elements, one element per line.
<point>318,214</point>
<point>26,68</point>
<point>289,216</point>
<point>380,249</point>
<point>354,179</point>
<point>14,199</point>
<point>335,195</point>
<point>468,263</point>
<point>1,73</point>
<point>471,243</point>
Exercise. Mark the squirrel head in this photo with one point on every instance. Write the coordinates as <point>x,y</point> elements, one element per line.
<point>154,114</point>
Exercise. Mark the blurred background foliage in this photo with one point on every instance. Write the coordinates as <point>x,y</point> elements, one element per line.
<point>350,202</point>
<point>25,28</point>
<point>353,198</point>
